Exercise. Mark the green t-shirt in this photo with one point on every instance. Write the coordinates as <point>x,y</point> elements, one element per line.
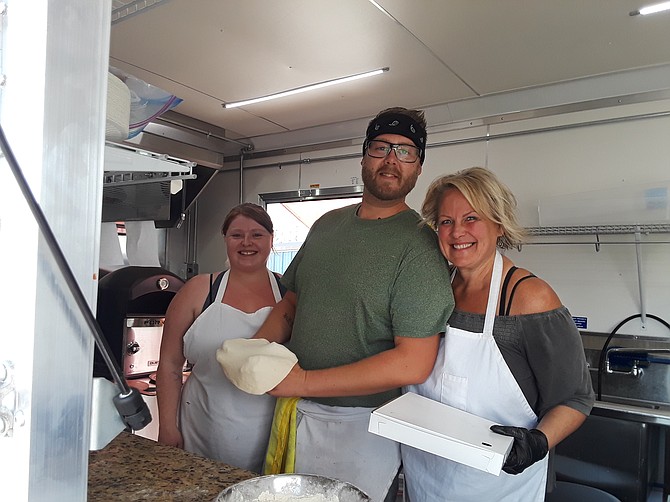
<point>360,283</point>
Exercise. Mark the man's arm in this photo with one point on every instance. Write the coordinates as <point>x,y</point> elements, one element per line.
<point>279,324</point>
<point>409,362</point>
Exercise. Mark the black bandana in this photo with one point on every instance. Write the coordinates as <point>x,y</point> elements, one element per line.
<point>397,123</point>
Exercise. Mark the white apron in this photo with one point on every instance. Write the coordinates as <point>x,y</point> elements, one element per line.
<point>218,420</point>
<point>334,441</point>
<point>471,374</point>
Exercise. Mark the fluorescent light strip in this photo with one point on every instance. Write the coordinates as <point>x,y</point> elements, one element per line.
<point>306,88</point>
<point>651,9</point>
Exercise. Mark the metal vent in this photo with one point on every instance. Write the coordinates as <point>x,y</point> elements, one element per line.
<point>140,202</point>
<point>122,9</point>
<point>137,183</point>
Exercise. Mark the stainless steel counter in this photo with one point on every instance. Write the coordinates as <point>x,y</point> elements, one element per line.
<point>653,417</point>
<point>632,413</point>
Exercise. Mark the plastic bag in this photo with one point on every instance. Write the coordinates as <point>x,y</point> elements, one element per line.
<point>147,101</point>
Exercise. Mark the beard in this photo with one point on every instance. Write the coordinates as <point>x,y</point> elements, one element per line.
<point>388,190</point>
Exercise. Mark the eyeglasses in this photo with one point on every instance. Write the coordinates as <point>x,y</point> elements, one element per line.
<point>404,153</point>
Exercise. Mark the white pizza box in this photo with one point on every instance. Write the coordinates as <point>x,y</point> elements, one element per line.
<point>443,430</point>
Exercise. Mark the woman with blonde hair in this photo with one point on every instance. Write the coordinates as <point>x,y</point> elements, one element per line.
<point>511,352</point>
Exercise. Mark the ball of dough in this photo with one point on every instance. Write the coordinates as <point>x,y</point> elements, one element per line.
<point>255,365</point>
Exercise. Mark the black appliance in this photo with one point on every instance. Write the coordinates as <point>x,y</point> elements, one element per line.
<point>132,302</point>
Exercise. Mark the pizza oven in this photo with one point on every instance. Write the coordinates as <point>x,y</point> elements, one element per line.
<point>132,302</point>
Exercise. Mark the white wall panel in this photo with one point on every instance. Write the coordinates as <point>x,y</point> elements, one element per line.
<point>331,174</point>
<point>603,286</point>
<point>581,160</point>
<point>271,179</point>
<point>441,161</point>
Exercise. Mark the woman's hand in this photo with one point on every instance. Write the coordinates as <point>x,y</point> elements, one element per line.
<point>529,447</point>
<point>532,445</point>
<point>170,436</point>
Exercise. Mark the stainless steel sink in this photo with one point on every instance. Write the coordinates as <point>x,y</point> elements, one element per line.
<point>618,447</point>
<point>636,370</point>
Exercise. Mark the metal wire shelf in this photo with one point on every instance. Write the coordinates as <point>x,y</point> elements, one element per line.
<point>655,228</point>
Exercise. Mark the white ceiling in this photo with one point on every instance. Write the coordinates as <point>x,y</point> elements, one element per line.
<point>208,52</point>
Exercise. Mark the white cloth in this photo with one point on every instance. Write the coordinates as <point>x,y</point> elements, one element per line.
<point>471,374</point>
<point>142,243</point>
<point>218,420</point>
<point>334,441</point>
<point>111,256</point>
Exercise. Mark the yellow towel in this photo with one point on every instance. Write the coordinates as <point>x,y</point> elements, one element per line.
<point>280,456</point>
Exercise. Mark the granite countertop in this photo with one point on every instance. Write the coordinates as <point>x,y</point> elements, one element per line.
<point>135,468</point>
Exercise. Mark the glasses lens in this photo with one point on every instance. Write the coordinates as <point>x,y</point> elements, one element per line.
<point>380,149</point>
<point>406,153</point>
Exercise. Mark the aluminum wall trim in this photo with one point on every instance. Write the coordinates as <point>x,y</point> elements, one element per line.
<point>310,194</point>
<point>636,86</point>
<point>475,139</point>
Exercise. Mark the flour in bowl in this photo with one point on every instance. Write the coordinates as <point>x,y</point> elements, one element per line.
<point>281,497</point>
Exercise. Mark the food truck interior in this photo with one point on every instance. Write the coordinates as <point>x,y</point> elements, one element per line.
<point>568,102</point>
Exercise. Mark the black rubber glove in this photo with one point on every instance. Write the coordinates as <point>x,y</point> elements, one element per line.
<point>529,446</point>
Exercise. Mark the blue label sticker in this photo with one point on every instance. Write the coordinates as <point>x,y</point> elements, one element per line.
<point>656,198</point>
<point>580,322</point>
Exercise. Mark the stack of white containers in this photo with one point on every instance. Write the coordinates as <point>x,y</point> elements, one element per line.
<point>118,109</point>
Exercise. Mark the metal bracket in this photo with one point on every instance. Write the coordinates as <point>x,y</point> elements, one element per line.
<point>638,258</point>
<point>10,414</point>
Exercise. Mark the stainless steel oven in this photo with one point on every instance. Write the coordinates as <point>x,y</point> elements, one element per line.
<point>142,344</point>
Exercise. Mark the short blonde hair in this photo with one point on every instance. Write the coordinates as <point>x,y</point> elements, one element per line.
<point>487,195</point>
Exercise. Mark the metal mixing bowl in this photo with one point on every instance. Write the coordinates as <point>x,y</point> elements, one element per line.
<point>294,486</point>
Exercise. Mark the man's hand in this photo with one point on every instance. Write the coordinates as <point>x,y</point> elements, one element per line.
<point>293,385</point>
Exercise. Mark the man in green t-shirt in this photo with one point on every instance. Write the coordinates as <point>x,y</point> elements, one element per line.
<point>368,294</point>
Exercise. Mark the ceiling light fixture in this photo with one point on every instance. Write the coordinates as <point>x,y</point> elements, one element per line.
<point>305,88</point>
<point>651,9</point>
